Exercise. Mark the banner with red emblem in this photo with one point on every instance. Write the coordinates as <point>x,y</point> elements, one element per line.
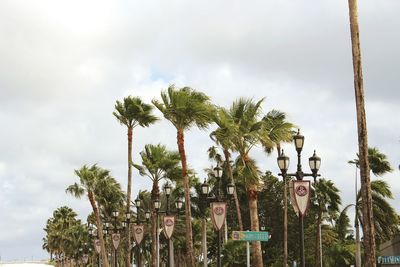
<point>138,233</point>
<point>218,214</point>
<point>116,238</point>
<point>169,225</point>
<point>97,245</point>
<point>301,193</point>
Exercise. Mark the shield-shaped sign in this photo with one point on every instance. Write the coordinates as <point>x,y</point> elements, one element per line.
<point>116,238</point>
<point>169,226</point>
<point>85,258</point>
<point>97,245</point>
<point>218,214</point>
<point>138,233</point>
<point>301,192</point>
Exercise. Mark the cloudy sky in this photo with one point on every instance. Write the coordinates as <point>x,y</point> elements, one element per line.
<point>63,64</point>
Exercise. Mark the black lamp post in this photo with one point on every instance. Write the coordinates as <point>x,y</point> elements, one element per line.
<point>167,212</point>
<point>314,162</point>
<point>137,205</point>
<point>218,197</point>
<point>115,216</point>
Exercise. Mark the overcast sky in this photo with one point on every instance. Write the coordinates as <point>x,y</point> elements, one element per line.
<point>63,64</point>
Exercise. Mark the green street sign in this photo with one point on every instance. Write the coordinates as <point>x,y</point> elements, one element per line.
<point>250,236</point>
<point>389,260</point>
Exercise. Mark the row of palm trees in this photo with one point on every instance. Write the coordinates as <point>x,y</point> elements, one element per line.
<point>65,234</point>
<point>240,128</point>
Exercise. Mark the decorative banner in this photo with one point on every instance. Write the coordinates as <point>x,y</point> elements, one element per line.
<point>169,226</point>
<point>138,233</point>
<point>116,238</point>
<point>218,214</point>
<point>301,192</point>
<point>292,200</point>
<point>85,258</point>
<point>97,246</point>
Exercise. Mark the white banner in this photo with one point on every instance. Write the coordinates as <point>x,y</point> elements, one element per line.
<point>169,226</point>
<point>116,238</point>
<point>97,245</point>
<point>301,192</point>
<point>138,233</point>
<point>85,258</point>
<point>218,214</point>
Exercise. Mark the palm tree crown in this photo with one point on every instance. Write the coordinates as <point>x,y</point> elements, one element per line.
<point>185,107</point>
<point>133,111</point>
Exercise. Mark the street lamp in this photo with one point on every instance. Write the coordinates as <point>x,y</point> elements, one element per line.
<point>168,221</point>
<point>115,237</point>
<point>301,188</point>
<point>218,206</point>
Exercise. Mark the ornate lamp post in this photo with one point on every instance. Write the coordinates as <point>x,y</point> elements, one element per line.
<point>218,206</point>
<point>138,231</point>
<point>115,237</point>
<point>168,221</point>
<point>301,188</point>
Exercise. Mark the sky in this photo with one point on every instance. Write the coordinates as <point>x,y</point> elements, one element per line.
<point>63,64</point>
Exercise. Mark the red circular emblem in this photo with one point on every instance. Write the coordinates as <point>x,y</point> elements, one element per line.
<point>219,210</point>
<point>169,222</point>
<point>115,237</point>
<point>301,190</point>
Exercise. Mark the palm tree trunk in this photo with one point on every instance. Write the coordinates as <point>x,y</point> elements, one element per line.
<point>317,240</point>
<point>99,228</point>
<point>235,197</point>
<point>188,212</point>
<point>368,229</point>
<point>155,193</point>
<point>128,197</point>
<point>255,226</point>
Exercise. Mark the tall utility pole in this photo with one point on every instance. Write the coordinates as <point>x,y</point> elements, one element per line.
<point>368,227</point>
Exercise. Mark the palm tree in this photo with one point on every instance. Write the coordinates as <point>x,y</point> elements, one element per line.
<point>157,163</point>
<point>185,108</point>
<point>379,166</point>
<point>131,113</point>
<point>249,132</point>
<point>56,227</point>
<point>279,130</point>
<point>368,230</point>
<point>386,221</point>
<point>93,182</point>
<point>223,136</point>
<point>327,202</point>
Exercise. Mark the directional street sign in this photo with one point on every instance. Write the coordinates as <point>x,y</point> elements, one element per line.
<point>389,260</point>
<point>250,236</point>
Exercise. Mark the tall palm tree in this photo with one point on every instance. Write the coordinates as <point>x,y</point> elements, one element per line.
<point>185,108</point>
<point>279,130</point>
<point>249,132</point>
<point>93,182</point>
<point>223,136</point>
<point>157,163</point>
<point>131,113</point>
<point>327,202</point>
<point>368,230</point>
